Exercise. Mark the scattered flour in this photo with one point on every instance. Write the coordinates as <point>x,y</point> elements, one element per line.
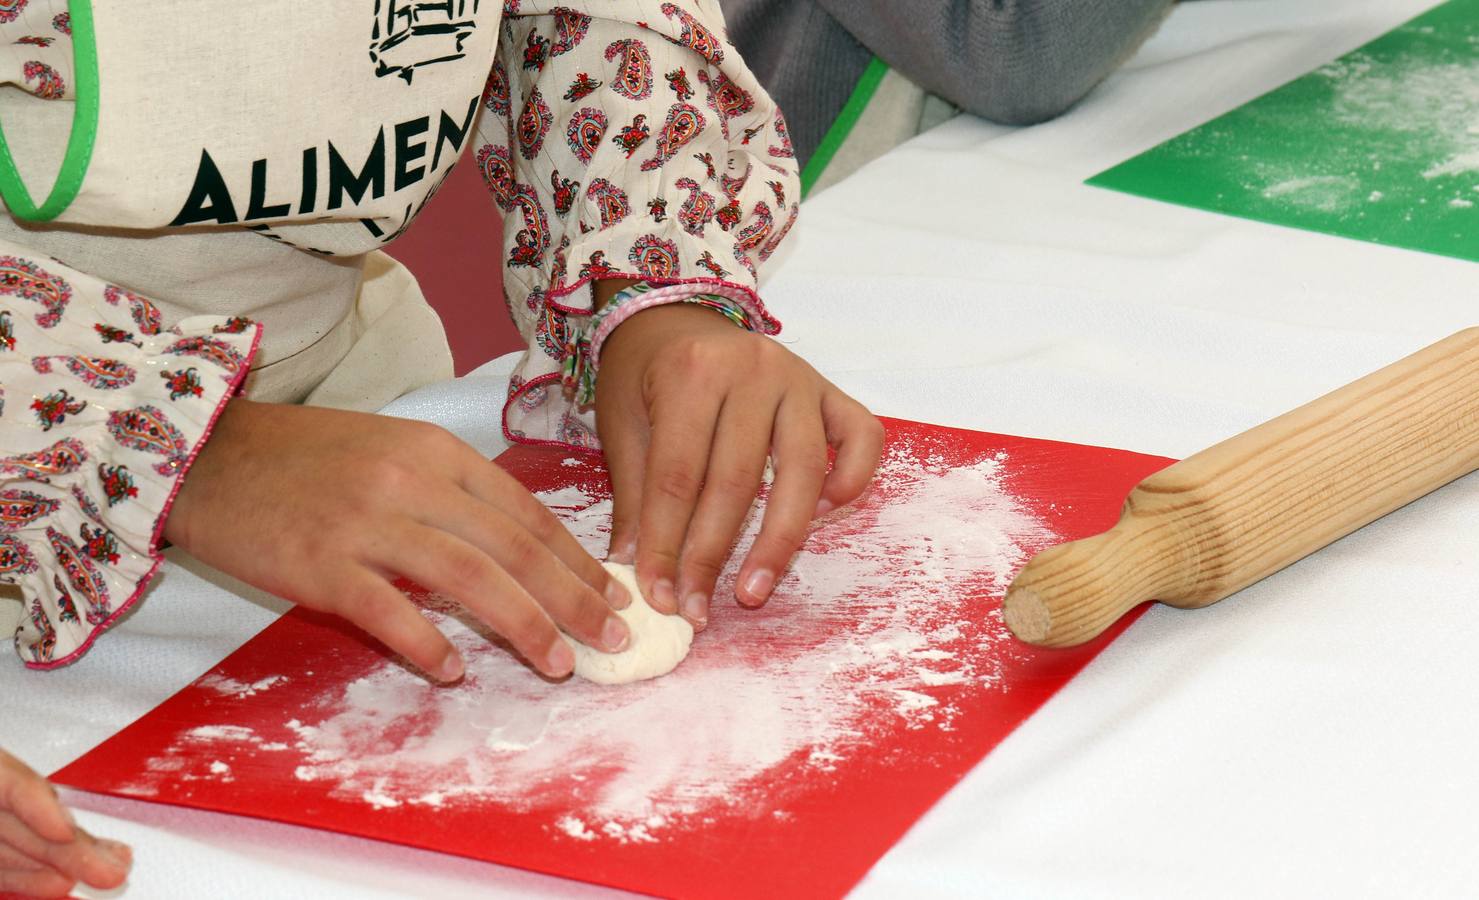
<point>1426,109</point>
<point>230,687</point>
<point>888,618</point>
<point>575,828</point>
<point>566,498</point>
<point>1455,165</point>
<point>1327,193</point>
<point>377,797</point>
<point>1398,124</point>
<point>221,733</point>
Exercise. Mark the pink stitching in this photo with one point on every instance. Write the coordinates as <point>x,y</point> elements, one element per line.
<point>525,388</point>
<point>234,389</point>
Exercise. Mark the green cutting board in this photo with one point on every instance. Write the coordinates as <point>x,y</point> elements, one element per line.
<point>1381,145</point>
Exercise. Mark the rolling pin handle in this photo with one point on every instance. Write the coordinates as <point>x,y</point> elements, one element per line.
<point>1070,593</point>
<point>1239,511</point>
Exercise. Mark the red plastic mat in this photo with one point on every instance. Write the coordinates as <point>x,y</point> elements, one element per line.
<point>792,748</point>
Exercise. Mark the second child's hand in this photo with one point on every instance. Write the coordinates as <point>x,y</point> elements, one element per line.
<point>43,853</point>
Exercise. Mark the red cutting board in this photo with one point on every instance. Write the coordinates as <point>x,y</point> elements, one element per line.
<point>792,748</point>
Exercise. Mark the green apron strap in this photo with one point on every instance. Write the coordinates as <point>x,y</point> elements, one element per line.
<point>837,135</point>
<point>79,144</point>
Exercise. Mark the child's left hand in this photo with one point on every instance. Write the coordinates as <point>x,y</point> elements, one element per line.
<point>688,407</point>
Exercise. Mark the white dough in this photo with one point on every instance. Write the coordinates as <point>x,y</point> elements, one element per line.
<point>659,642</point>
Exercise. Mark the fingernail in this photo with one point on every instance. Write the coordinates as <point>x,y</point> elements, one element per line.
<point>617,596</point>
<point>450,668</point>
<point>696,608</point>
<point>118,854</point>
<point>824,506</point>
<point>561,659</point>
<point>614,635</point>
<point>664,598</point>
<point>759,585</point>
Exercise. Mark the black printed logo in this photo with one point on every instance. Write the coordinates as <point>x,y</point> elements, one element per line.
<point>410,34</point>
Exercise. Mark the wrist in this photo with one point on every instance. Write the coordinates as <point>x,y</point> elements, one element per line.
<point>664,323</point>
<point>582,357</point>
<point>208,466</point>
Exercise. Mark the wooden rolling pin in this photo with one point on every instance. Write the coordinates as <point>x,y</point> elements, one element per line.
<point>1218,521</point>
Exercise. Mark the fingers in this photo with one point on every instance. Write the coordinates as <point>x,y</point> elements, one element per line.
<point>572,603</point>
<point>736,466</point>
<point>42,852</point>
<point>33,800</point>
<point>500,491</point>
<point>682,433</point>
<point>625,448</point>
<point>99,863</point>
<point>27,879</point>
<point>449,565</point>
<point>800,451</point>
<point>373,604</point>
<point>858,436</point>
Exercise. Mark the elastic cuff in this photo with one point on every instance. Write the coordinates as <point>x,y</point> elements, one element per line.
<point>583,351</point>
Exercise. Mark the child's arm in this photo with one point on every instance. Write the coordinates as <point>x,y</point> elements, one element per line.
<point>103,410</point>
<point>627,142</point>
<point>1015,62</point>
<point>104,452</point>
<point>623,140</point>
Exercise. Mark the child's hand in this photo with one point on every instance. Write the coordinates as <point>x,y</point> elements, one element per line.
<point>688,406</point>
<point>42,852</point>
<point>326,508</point>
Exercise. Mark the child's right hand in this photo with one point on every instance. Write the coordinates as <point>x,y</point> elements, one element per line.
<point>326,508</point>
<point>42,852</point>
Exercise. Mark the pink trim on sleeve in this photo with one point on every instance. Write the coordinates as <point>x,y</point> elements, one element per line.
<point>154,552</point>
<point>526,387</point>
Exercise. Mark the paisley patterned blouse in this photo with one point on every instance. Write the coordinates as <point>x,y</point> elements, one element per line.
<point>622,138</point>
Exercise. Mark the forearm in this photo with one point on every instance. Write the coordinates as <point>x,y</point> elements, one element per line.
<point>624,149</point>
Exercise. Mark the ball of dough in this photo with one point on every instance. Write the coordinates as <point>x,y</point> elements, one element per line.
<point>659,642</point>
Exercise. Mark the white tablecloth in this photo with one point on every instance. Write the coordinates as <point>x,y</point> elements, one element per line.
<point>1312,736</point>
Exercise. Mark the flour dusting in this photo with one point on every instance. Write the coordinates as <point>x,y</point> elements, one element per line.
<point>889,617</point>
<point>1328,193</point>
<point>221,733</point>
<point>1410,115</point>
<point>230,687</point>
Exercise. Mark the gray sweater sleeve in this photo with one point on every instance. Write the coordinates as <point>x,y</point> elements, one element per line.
<point>1012,61</point>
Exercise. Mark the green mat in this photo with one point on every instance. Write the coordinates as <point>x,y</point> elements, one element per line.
<point>1380,145</point>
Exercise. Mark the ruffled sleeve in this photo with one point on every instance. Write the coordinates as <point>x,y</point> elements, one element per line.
<point>102,411</point>
<point>624,140</point>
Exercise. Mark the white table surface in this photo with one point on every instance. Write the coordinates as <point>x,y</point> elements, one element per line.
<point>1313,736</point>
